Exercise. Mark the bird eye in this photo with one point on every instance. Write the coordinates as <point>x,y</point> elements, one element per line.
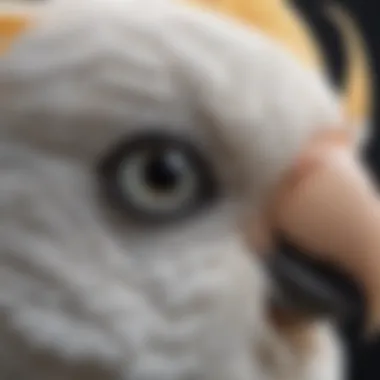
<point>157,177</point>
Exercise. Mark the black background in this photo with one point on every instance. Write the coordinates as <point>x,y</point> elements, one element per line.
<point>364,357</point>
<point>367,15</point>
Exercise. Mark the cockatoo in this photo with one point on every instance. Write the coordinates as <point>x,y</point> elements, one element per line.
<point>140,141</point>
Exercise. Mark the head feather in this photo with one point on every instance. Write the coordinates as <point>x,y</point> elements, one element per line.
<point>276,18</point>
<point>281,21</point>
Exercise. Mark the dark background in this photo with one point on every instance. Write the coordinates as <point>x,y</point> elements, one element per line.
<point>366,13</point>
<point>364,356</point>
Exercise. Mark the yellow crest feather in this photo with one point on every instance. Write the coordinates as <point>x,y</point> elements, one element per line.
<point>278,19</point>
<point>14,20</point>
<point>357,93</point>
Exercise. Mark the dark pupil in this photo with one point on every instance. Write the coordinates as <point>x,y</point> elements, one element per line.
<point>161,172</point>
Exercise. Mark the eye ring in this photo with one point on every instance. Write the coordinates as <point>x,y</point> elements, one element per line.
<point>156,177</point>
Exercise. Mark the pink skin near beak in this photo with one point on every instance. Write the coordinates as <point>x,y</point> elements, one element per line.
<point>333,212</point>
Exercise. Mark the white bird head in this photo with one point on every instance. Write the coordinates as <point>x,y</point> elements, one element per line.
<point>137,137</point>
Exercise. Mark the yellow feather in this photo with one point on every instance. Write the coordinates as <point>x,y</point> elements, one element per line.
<point>14,20</point>
<point>278,19</point>
<point>358,92</point>
<point>275,18</point>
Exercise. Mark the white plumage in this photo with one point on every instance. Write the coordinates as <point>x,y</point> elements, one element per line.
<point>86,293</point>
